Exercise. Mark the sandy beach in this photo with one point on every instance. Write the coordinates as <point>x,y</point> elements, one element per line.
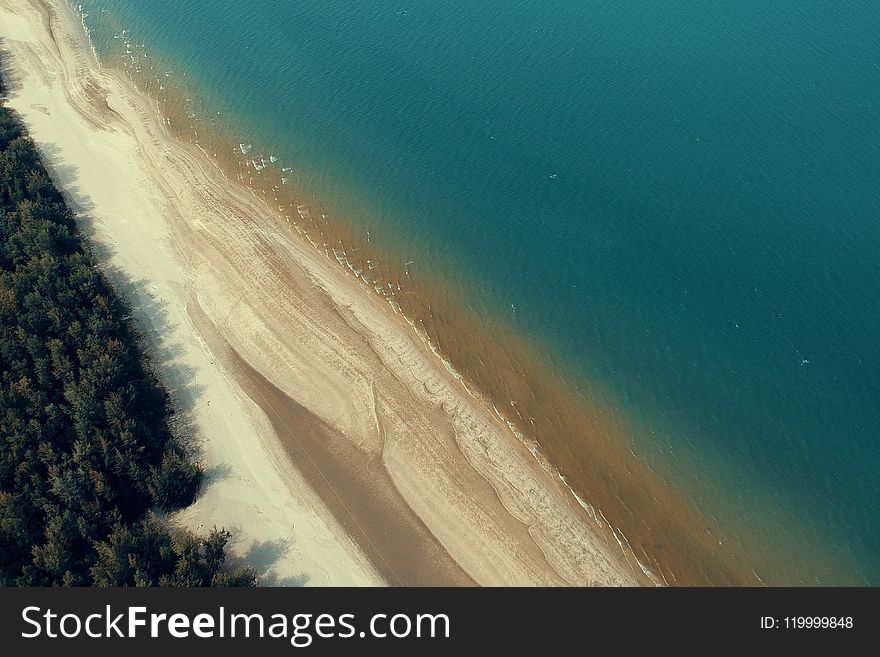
<point>338,448</point>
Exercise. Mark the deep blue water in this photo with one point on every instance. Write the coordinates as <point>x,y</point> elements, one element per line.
<point>680,200</point>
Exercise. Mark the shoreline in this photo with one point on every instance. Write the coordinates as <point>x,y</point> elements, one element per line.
<point>576,429</point>
<point>302,325</point>
<point>577,437</point>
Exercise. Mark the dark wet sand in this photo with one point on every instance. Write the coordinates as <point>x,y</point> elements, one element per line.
<point>356,488</point>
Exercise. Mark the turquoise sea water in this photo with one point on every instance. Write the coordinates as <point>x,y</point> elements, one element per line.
<point>680,201</point>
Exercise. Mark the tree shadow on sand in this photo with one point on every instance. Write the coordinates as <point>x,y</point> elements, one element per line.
<point>147,313</point>
<point>214,474</point>
<point>263,557</point>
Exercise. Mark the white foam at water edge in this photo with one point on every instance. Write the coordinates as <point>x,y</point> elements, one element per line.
<point>594,513</point>
<point>531,445</point>
<point>450,368</point>
<point>586,506</point>
<point>601,521</point>
<point>645,570</point>
<point>88,34</point>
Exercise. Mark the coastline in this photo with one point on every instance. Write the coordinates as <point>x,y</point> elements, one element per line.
<point>576,428</point>
<point>220,279</point>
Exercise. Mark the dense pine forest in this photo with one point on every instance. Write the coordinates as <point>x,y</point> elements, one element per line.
<point>87,459</point>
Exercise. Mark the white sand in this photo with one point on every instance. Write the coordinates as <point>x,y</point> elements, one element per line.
<point>208,268</point>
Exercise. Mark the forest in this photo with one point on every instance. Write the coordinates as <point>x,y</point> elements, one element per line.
<point>89,464</point>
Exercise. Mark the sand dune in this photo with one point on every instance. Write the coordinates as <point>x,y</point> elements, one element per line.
<point>339,448</point>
